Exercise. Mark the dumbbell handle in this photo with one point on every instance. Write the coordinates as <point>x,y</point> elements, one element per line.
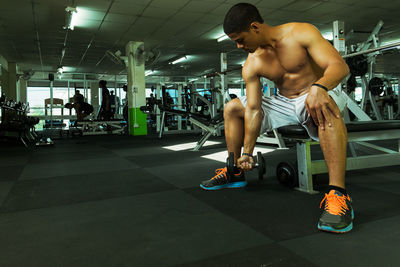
<point>254,165</point>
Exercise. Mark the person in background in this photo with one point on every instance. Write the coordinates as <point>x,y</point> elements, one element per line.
<point>105,109</point>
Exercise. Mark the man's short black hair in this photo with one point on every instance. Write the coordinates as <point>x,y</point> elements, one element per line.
<point>103,82</point>
<point>239,18</point>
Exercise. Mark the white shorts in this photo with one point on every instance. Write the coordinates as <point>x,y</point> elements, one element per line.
<point>282,111</point>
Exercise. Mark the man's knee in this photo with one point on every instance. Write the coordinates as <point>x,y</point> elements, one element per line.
<point>234,108</point>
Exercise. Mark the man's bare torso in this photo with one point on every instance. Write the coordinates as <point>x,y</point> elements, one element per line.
<point>286,63</point>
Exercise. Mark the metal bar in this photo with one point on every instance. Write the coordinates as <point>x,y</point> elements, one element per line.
<point>364,99</point>
<point>202,141</point>
<point>304,165</point>
<point>162,125</point>
<point>384,47</point>
<point>374,106</point>
<point>51,104</point>
<point>357,163</point>
<point>373,135</point>
<point>379,148</point>
<point>203,126</point>
<point>371,37</point>
<point>372,161</point>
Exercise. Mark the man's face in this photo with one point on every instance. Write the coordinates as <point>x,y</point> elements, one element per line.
<point>245,40</point>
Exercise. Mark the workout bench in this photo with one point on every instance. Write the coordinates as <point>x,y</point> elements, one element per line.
<point>90,127</point>
<point>358,132</point>
<point>210,126</point>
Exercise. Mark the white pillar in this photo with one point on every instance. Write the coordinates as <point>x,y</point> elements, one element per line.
<point>158,113</point>
<point>22,91</point>
<point>180,89</point>
<point>12,80</point>
<point>136,88</point>
<point>94,95</point>
<point>224,80</point>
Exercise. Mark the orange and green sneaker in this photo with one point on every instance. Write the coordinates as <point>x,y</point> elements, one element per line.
<point>221,180</point>
<point>338,214</point>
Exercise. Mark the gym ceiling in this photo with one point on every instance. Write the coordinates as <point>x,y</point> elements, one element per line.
<point>32,34</point>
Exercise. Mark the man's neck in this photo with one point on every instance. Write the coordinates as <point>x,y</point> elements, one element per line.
<point>270,35</point>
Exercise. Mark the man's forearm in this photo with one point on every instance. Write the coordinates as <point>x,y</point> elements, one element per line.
<point>333,75</point>
<point>252,125</point>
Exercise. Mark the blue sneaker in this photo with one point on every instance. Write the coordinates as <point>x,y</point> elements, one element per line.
<point>338,213</point>
<point>221,180</point>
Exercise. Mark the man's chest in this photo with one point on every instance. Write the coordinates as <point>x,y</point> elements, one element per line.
<point>274,64</point>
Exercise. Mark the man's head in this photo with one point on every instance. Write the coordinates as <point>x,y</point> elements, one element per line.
<point>77,92</point>
<point>103,83</point>
<point>242,24</point>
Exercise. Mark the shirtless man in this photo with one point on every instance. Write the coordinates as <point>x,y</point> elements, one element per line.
<point>304,66</point>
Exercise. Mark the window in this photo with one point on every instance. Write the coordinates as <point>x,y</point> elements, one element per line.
<point>35,98</point>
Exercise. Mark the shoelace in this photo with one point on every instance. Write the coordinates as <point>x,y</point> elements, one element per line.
<point>220,173</point>
<point>334,204</point>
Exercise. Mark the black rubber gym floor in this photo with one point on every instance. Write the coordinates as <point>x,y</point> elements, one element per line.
<point>128,201</point>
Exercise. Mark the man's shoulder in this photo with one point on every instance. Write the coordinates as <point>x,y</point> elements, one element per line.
<point>300,32</point>
<point>303,29</point>
<point>295,25</point>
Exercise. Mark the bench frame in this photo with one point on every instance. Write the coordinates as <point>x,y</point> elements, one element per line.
<point>308,167</point>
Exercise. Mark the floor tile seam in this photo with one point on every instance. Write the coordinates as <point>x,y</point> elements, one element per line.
<point>77,160</point>
<point>280,242</point>
<point>72,160</point>
<point>226,253</point>
<point>2,213</point>
<point>200,154</point>
<point>88,173</point>
<point>205,161</point>
<point>387,217</point>
<point>7,194</point>
<point>217,211</point>
<point>372,188</point>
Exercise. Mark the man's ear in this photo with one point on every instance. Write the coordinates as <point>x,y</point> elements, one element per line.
<point>255,26</point>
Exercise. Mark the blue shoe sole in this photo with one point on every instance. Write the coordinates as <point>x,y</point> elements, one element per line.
<point>334,230</point>
<point>229,185</point>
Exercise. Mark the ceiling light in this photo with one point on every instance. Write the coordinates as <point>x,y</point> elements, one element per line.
<point>60,69</point>
<point>193,79</point>
<point>71,18</point>
<point>223,37</point>
<point>179,60</point>
<point>148,72</point>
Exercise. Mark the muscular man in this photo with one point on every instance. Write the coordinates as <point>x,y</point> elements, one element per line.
<point>304,66</point>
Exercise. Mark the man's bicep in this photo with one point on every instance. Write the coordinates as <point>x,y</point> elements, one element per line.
<point>253,93</point>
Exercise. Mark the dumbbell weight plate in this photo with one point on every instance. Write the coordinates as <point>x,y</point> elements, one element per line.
<point>261,165</point>
<point>286,174</point>
<point>230,164</point>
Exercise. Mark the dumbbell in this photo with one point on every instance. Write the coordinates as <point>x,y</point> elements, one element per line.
<point>259,163</point>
